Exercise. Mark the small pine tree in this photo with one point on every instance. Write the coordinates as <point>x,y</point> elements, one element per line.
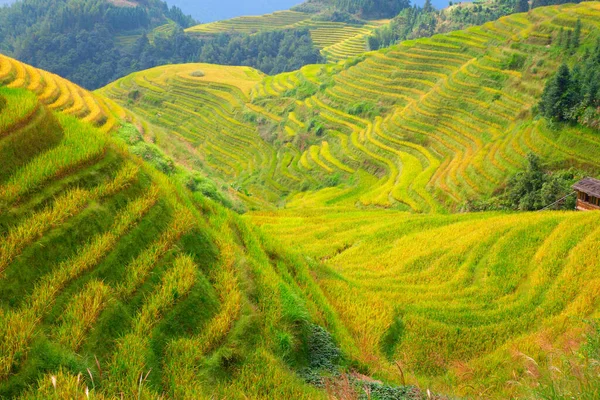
<point>569,40</point>
<point>557,98</point>
<point>561,37</point>
<point>428,7</point>
<point>576,35</point>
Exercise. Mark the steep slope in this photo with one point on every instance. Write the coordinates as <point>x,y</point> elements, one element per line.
<point>461,301</point>
<point>108,265</point>
<point>114,279</point>
<point>426,125</point>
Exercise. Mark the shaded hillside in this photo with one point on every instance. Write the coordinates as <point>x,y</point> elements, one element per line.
<point>427,125</point>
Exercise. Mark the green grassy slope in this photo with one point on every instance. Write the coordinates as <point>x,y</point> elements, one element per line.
<point>110,271</point>
<point>422,126</point>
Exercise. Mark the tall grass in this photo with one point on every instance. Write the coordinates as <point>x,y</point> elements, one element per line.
<point>81,313</point>
<point>127,373</point>
<point>18,326</point>
<point>138,270</point>
<point>63,207</point>
<point>19,105</point>
<point>81,143</point>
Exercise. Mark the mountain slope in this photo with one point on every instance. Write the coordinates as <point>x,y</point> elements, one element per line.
<point>110,270</point>
<point>461,301</point>
<point>427,125</point>
<point>60,94</point>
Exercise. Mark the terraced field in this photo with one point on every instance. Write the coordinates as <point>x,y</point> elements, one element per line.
<point>116,280</point>
<point>281,20</point>
<point>337,40</point>
<point>461,301</point>
<point>116,283</point>
<point>423,126</point>
<point>202,104</point>
<point>61,95</point>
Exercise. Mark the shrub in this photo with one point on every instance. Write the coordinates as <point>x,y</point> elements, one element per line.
<point>515,62</point>
<point>198,73</point>
<point>323,353</point>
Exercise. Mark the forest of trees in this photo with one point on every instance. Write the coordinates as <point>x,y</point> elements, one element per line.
<point>79,39</point>
<point>573,94</point>
<point>542,3</point>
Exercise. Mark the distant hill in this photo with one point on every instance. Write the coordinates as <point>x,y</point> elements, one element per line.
<point>93,42</point>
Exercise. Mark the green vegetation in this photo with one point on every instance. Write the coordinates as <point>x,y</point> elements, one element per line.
<point>126,271</point>
<point>31,30</point>
<point>534,189</point>
<point>363,8</point>
<point>574,95</point>
<point>427,125</point>
<point>110,271</point>
<point>462,303</point>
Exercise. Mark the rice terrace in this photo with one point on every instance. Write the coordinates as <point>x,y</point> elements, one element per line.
<point>346,200</point>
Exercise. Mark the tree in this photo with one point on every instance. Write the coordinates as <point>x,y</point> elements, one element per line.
<point>522,6</point>
<point>557,98</point>
<point>428,7</point>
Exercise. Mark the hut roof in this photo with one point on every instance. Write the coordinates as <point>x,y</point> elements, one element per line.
<point>589,186</point>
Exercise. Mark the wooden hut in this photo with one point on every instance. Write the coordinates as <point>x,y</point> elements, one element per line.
<point>588,194</point>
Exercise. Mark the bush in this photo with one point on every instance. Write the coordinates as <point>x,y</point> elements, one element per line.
<point>515,62</point>
<point>323,353</point>
<point>532,189</point>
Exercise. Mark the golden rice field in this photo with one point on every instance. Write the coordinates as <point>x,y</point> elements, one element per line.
<point>58,94</point>
<point>252,24</point>
<point>459,300</point>
<point>117,283</point>
<point>423,126</point>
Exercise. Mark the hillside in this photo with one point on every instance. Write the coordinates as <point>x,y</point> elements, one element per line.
<point>425,126</point>
<point>124,270</point>
<point>336,40</point>
<point>464,302</point>
<point>118,281</point>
